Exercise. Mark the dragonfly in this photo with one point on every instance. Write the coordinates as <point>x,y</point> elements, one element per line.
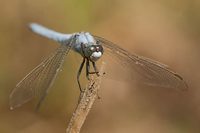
<point>120,65</point>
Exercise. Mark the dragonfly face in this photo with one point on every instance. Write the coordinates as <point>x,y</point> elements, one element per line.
<point>93,52</point>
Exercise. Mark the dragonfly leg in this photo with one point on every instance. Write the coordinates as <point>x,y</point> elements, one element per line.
<point>95,69</point>
<point>79,72</point>
<point>82,48</point>
<point>87,69</point>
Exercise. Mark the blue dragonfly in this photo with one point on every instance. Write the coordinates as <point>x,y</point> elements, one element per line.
<point>120,65</point>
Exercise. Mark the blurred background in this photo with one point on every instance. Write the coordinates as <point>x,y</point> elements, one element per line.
<point>164,30</point>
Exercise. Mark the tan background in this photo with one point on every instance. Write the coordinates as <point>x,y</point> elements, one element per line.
<point>164,30</point>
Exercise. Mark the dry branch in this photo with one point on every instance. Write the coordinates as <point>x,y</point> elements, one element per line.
<point>85,102</point>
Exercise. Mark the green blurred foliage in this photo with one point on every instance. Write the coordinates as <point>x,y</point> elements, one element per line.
<point>164,30</point>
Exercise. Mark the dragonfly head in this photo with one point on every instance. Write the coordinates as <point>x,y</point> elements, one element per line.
<point>88,47</point>
<point>93,52</point>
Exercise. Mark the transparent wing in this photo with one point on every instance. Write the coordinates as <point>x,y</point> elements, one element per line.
<point>125,66</point>
<point>38,81</point>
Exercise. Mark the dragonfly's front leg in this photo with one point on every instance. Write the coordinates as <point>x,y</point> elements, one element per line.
<point>95,69</point>
<point>87,69</point>
<point>79,72</point>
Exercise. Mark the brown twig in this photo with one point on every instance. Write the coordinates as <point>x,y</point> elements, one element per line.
<point>86,101</point>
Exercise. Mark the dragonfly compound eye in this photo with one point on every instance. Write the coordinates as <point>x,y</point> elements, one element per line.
<point>92,49</point>
<point>89,50</point>
<point>99,48</point>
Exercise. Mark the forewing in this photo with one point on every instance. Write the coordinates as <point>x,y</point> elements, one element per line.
<point>38,81</point>
<point>125,66</point>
